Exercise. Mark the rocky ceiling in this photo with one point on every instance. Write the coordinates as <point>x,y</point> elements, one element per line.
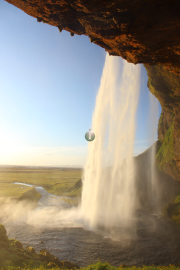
<point>140,31</point>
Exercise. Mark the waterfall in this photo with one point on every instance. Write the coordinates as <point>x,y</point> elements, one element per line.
<point>108,196</point>
<point>153,123</point>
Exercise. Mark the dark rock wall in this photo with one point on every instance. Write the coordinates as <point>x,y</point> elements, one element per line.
<point>154,188</point>
<point>139,31</point>
<point>166,87</point>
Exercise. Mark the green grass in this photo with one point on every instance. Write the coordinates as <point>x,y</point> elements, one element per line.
<point>100,266</point>
<point>55,181</point>
<point>12,190</point>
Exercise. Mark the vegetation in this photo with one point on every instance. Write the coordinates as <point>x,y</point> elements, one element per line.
<point>172,210</point>
<point>165,86</point>
<point>62,182</point>
<point>96,266</point>
<point>165,153</point>
<point>14,256</point>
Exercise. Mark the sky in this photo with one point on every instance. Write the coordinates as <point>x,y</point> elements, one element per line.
<point>48,86</point>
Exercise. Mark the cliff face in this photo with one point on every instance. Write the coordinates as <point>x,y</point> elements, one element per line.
<point>137,30</point>
<point>166,87</point>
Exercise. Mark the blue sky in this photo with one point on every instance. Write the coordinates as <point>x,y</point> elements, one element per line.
<point>48,86</point>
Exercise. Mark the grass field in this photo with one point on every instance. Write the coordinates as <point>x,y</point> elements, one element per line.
<point>55,180</point>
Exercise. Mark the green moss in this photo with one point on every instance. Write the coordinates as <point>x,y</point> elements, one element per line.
<point>172,211</point>
<point>177,199</point>
<point>160,121</point>
<point>165,153</point>
<point>4,254</point>
<point>15,243</point>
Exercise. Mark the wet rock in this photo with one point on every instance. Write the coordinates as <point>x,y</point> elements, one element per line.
<point>31,249</point>
<point>16,243</point>
<point>4,241</point>
<point>60,28</point>
<point>51,265</point>
<point>47,257</point>
<point>51,259</point>
<point>39,19</point>
<point>70,265</point>
<point>172,211</point>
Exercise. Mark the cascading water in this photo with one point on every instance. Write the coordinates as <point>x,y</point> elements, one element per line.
<point>108,196</point>
<point>153,123</point>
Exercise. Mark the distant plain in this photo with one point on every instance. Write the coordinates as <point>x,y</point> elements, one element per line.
<point>57,181</point>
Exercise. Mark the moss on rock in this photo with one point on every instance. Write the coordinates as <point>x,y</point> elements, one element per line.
<point>165,153</point>
<point>172,211</point>
<point>165,86</point>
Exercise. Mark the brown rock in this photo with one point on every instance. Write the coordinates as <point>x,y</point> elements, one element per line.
<point>31,249</point>
<point>140,32</point>
<point>70,265</point>
<point>3,236</point>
